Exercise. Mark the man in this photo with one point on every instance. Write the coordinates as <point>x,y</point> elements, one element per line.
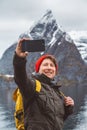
<point>44,109</point>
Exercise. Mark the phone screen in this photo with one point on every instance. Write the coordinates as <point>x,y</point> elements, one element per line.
<point>33,45</point>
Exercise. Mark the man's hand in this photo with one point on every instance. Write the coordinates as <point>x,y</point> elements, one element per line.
<point>68,101</point>
<point>19,49</point>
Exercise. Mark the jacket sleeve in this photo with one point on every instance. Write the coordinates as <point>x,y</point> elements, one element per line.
<point>26,86</point>
<point>68,111</point>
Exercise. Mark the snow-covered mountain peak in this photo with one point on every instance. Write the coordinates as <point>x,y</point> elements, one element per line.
<point>47,28</point>
<point>48,15</point>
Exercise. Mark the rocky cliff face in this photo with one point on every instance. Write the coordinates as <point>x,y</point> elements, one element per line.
<point>72,69</point>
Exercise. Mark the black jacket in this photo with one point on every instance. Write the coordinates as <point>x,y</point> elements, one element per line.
<point>43,110</point>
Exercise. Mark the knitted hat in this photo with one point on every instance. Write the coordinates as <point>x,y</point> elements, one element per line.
<point>39,61</point>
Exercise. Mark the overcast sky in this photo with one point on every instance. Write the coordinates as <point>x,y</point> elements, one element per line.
<point>16,16</point>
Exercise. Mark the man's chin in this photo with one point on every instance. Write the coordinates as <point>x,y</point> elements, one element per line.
<point>49,76</point>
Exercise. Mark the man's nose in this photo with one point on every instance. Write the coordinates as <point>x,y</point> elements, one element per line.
<point>49,66</point>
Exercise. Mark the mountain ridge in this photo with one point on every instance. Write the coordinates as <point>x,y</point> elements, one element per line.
<point>72,68</point>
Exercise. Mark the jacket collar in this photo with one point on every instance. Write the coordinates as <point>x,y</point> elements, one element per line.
<point>44,79</point>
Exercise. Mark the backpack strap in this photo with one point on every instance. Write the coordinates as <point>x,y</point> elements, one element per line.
<point>61,94</point>
<point>14,95</point>
<point>16,91</point>
<point>38,86</point>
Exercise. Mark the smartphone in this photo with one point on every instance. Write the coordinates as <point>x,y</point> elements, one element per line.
<point>33,45</point>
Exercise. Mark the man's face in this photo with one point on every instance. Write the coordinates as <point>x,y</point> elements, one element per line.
<point>47,68</point>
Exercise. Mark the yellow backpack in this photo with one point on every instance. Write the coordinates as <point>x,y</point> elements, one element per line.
<point>19,111</point>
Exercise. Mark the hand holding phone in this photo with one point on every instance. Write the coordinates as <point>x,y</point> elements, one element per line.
<point>18,49</point>
<point>33,45</point>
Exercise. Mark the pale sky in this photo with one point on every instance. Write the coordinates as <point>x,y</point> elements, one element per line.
<point>17,16</point>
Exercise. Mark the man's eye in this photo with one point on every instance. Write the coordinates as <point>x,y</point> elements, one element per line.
<point>45,64</point>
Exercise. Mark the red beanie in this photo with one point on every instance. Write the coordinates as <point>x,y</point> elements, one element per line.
<point>39,61</point>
